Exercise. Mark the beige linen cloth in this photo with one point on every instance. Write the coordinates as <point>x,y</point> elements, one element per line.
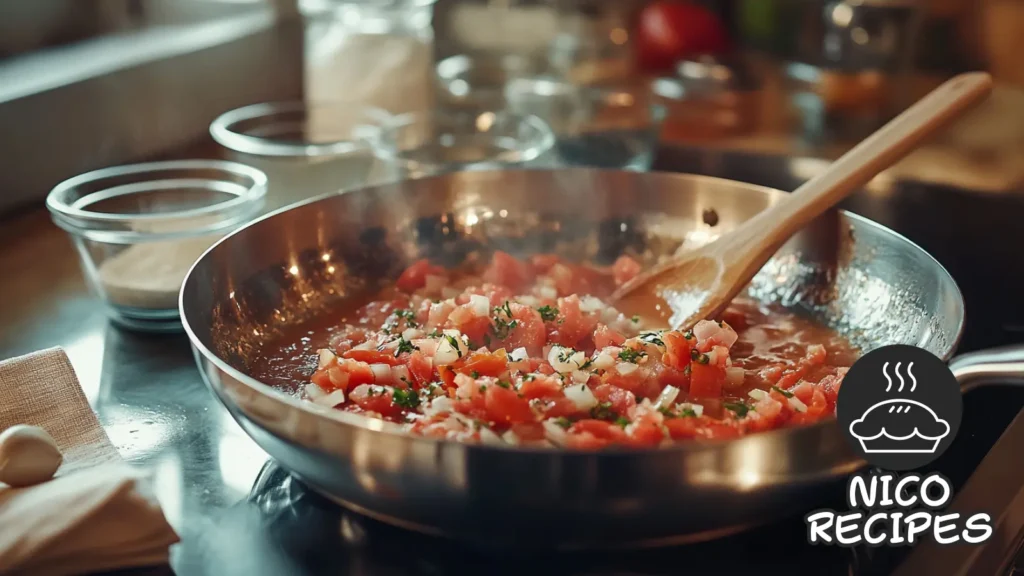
<point>98,513</point>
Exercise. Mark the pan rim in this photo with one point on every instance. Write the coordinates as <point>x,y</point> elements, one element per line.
<point>367,424</point>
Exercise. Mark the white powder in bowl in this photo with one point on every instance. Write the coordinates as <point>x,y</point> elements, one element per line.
<point>149,275</point>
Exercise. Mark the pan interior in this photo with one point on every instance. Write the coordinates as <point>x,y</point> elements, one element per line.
<point>850,274</point>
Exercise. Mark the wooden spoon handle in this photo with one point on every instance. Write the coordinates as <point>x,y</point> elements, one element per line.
<point>866,160</point>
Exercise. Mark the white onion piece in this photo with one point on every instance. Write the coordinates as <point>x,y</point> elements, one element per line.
<point>735,375</point>
<point>445,353</point>
<point>581,396</point>
<point>603,361</point>
<point>487,436</point>
<point>411,334</point>
<point>797,404</point>
<point>518,355</point>
<point>428,346</point>
<point>381,373</point>
<point>459,339</point>
<point>435,284</point>
<point>554,433</point>
<point>325,358</point>
<point>573,359</point>
<point>667,397</point>
<point>510,438</point>
<point>723,335</point>
<point>480,305</point>
<point>527,300</point>
<point>712,357</point>
<point>331,400</point>
<point>314,391</point>
<point>546,292</point>
<point>439,405</point>
<point>466,386</point>
<point>399,374</point>
<point>626,368</point>
<point>389,345</point>
<point>580,377</point>
<point>591,304</point>
<point>757,394</point>
<point>697,409</point>
<point>368,345</point>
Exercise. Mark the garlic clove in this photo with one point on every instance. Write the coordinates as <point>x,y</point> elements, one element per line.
<point>28,456</point>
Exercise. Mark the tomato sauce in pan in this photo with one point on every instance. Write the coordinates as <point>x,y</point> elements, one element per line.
<point>528,353</point>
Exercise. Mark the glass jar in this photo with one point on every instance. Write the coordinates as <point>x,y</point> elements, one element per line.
<point>369,53</point>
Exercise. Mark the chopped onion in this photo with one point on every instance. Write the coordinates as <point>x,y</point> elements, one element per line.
<point>487,436</point>
<point>667,397</point>
<point>707,329</point>
<point>411,334</point>
<point>389,345</point>
<point>546,292</point>
<point>446,353</point>
<point>510,438</point>
<point>466,385</point>
<point>325,359</point>
<point>591,304</point>
<point>368,345</point>
<point>381,373</point>
<point>581,396</point>
<point>314,391</point>
<point>735,375</point>
<point>331,400</point>
<point>626,368</point>
<point>712,357</point>
<point>439,405</point>
<point>399,374</point>
<point>603,361</point>
<point>527,300</point>
<point>697,409</point>
<point>555,433</point>
<point>757,394</point>
<point>573,359</point>
<point>580,377</point>
<point>797,404</point>
<point>428,346</point>
<point>519,354</point>
<point>481,306</point>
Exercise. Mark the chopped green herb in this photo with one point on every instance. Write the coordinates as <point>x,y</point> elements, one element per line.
<point>408,315</point>
<point>404,346</point>
<point>483,388</point>
<point>652,338</point>
<point>435,333</point>
<point>565,354</point>
<point>405,398</point>
<point>528,377</point>
<point>739,408</point>
<point>785,393</point>
<point>474,374</point>
<point>503,328</point>
<point>602,411</point>
<point>687,413</point>
<point>506,308</point>
<point>623,422</point>
<point>688,335</point>
<point>635,319</point>
<point>548,313</point>
<point>563,422</point>
<point>666,412</point>
<point>587,364</point>
<point>454,343</point>
<point>504,384</point>
<point>698,357</point>
<point>630,355</point>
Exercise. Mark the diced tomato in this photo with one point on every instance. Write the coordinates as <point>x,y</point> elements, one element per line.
<point>599,429</point>
<point>496,295</point>
<point>482,364</point>
<point>541,387</point>
<point>466,321</point>
<point>541,263</point>
<point>528,431</point>
<point>374,398</point>
<point>677,349</point>
<point>528,332</point>
<point>415,276</point>
<point>447,376</point>
<point>321,379</point>
<point>645,435</point>
<point>504,405</point>
<point>560,407</point>
<point>573,325</point>
<point>669,376</point>
<point>373,357</point>
<point>621,400</point>
<point>585,441</point>
<point>421,369</point>
<point>605,336</point>
<point>624,269</point>
<point>507,271</point>
<point>706,380</point>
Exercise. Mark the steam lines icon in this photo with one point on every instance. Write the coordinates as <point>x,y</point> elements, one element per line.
<point>899,425</point>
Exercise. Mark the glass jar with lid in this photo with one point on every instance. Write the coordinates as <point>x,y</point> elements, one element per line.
<point>369,53</point>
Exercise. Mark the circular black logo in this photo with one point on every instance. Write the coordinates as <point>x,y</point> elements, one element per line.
<point>900,407</point>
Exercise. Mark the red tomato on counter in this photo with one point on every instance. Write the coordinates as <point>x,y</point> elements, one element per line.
<point>668,32</point>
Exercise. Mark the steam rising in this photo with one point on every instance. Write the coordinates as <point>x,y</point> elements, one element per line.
<point>896,370</point>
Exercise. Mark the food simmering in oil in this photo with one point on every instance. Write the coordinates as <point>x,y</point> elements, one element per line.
<point>526,353</point>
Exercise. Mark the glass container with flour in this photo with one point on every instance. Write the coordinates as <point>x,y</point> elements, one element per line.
<point>139,228</point>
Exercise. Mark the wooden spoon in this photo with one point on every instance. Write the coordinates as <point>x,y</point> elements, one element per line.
<point>701,283</point>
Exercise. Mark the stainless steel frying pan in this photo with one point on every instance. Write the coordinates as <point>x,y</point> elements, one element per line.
<point>848,272</point>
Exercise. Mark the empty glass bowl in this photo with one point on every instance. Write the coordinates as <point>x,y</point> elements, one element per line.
<point>305,151</point>
<point>607,127</point>
<point>420,144</point>
<point>139,228</point>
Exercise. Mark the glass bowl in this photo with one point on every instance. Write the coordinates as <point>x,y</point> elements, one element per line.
<point>139,228</point>
<point>305,150</point>
<point>421,144</point>
<point>603,126</point>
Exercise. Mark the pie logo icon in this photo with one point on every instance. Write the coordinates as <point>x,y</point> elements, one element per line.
<point>900,406</point>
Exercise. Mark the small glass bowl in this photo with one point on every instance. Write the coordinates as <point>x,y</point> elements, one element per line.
<point>305,150</point>
<point>603,126</point>
<point>139,228</point>
<point>421,144</point>
<point>477,81</point>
